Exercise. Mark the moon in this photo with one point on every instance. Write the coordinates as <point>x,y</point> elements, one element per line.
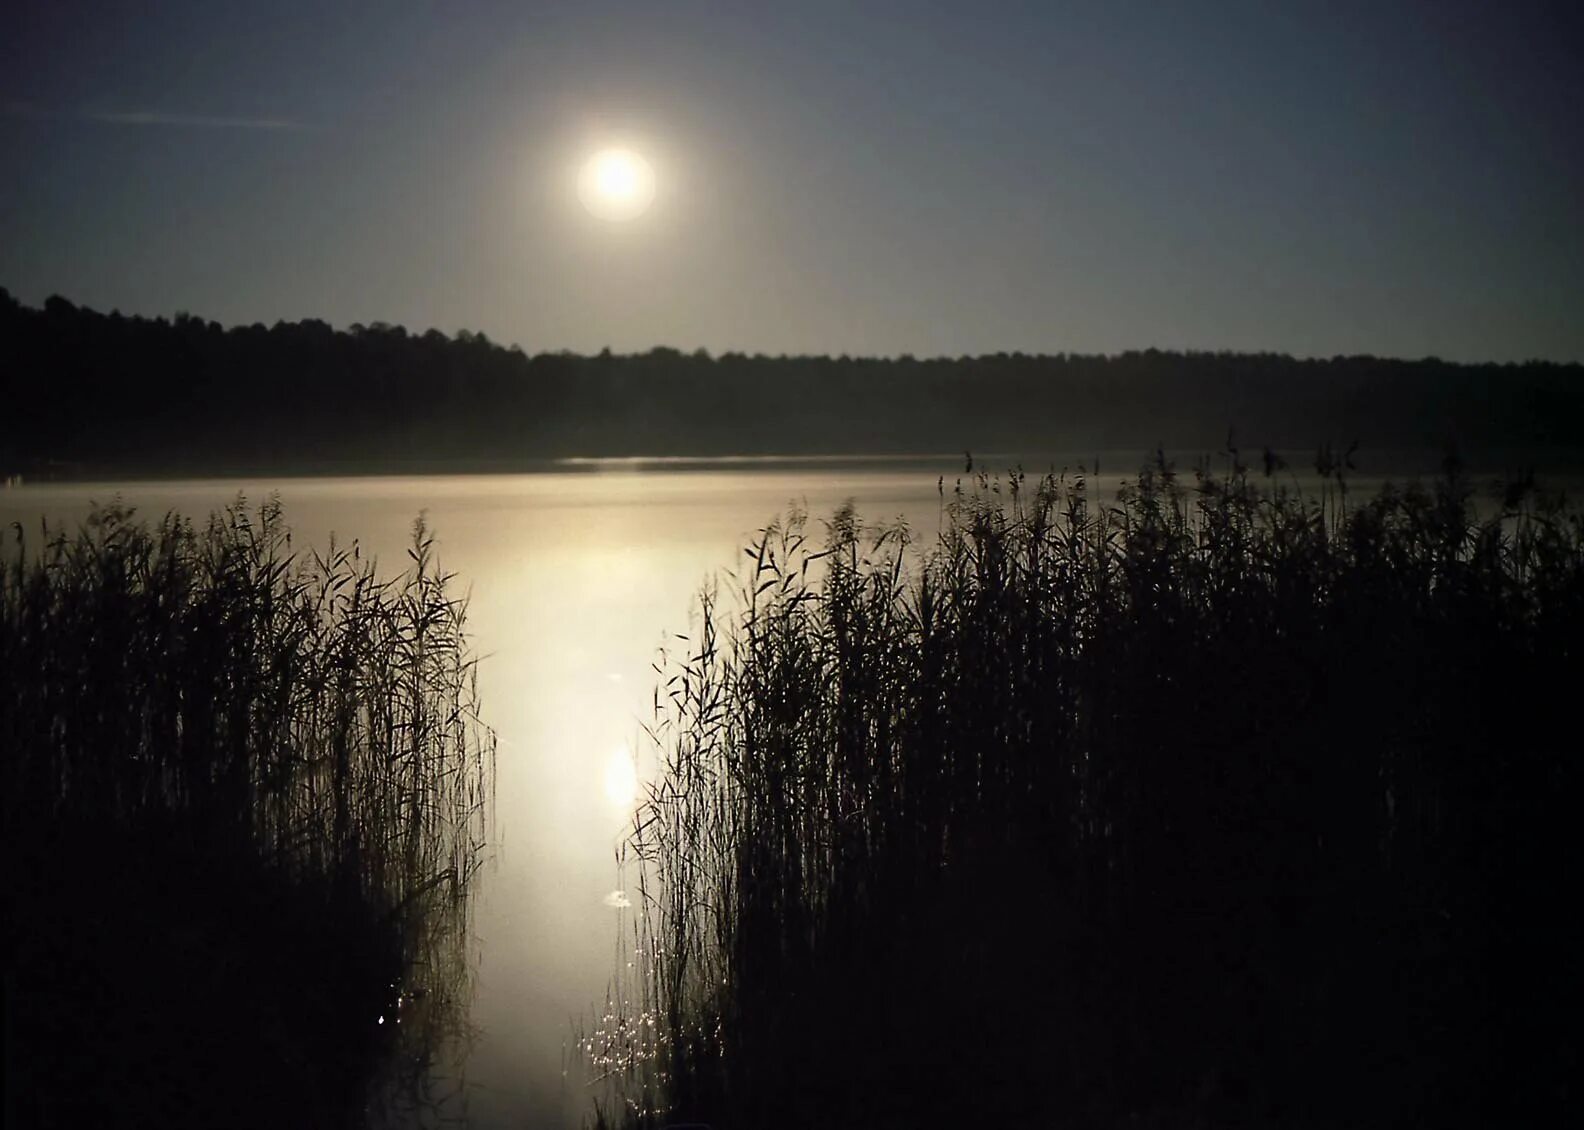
<point>616,185</point>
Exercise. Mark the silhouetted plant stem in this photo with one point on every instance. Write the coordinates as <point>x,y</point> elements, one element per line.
<point>1213,803</point>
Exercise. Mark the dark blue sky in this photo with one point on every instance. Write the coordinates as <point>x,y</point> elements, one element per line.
<point>880,178</point>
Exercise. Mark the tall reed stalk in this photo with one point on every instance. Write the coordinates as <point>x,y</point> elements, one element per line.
<point>245,794</point>
<point>1215,803</point>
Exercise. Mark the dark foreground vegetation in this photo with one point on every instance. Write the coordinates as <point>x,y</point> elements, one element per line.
<point>88,393</point>
<point>1218,806</point>
<point>244,796</point>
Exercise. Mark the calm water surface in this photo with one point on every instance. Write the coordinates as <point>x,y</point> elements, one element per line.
<point>576,578</point>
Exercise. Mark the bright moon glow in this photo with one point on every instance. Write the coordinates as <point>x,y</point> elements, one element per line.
<point>616,185</point>
<point>621,779</point>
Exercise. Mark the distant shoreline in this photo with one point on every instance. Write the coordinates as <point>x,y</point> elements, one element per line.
<point>91,395</point>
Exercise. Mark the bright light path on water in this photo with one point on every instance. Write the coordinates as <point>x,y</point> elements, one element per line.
<point>604,563</point>
<point>621,778</point>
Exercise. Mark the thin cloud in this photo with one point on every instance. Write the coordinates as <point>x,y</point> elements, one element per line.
<point>148,118</point>
<point>199,121</point>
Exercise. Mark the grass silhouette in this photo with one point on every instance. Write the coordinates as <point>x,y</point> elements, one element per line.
<point>1218,804</point>
<point>245,795</point>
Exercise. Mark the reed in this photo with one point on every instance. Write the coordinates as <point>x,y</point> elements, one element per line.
<point>245,795</point>
<point>1218,802</point>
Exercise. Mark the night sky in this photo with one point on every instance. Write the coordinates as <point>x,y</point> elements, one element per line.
<point>1400,179</point>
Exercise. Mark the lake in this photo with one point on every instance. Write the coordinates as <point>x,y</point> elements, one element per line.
<point>577,576</point>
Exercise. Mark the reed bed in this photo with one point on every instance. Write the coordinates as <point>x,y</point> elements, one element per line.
<point>246,794</point>
<point>1220,803</point>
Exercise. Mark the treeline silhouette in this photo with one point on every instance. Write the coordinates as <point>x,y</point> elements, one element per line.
<point>1217,805</point>
<point>93,393</point>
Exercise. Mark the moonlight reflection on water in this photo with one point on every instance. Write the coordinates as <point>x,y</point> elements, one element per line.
<point>621,779</point>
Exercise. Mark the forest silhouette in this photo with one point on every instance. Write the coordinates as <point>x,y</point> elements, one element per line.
<point>93,393</point>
